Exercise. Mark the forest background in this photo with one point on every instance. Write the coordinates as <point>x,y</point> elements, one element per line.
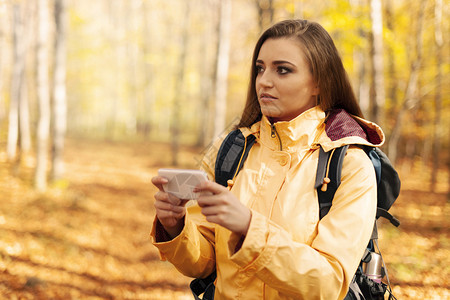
<point>95,96</point>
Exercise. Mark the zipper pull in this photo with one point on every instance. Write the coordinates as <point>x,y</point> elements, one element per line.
<point>274,134</point>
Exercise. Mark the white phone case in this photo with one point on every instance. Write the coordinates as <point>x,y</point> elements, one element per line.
<point>182,182</point>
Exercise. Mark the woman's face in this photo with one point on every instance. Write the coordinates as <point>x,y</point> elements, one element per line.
<point>284,83</point>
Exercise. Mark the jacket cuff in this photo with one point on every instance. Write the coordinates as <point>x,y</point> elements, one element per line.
<point>162,240</point>
<point>235,243</point>
<point>161,234</point>
<point>258,246</point>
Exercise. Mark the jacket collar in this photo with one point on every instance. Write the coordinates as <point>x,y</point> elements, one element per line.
<point>299,132</point>
<point>311,129</point>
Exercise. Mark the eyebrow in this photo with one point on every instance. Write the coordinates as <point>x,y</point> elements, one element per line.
<point>276,62</point>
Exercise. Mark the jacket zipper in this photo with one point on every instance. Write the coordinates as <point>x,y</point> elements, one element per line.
<point>274,133</point>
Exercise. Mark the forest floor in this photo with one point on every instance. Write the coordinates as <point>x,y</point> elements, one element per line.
<point>88,237</point>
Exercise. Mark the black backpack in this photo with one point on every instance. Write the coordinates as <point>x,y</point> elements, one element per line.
<point>230,160</point>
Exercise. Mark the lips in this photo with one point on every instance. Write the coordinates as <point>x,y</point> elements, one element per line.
<point>267,97</point>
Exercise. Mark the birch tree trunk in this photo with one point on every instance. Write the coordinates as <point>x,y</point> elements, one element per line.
<point>377,111</point>
<point>148,23</point>
<point>24,119</point>
<point>411,98</point>
<point>361,57</point>
<point>221,84</point>
<point>115,38</point>
<point>437,132</point>
<point>17,80</point>
<point>132,72</point>
<point>298,10</point>
<point>24,109</point>
<point>59,91</point>
<point>208,71</point>
<point>3,59</point>
<point>363,86</point>
<point>43,127</point>
<point>393,82</point>
<point>265,13</point>
<point>179,79</point>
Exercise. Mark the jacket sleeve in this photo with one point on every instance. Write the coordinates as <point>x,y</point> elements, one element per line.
<point>192,252</point>
<point>324,268</point>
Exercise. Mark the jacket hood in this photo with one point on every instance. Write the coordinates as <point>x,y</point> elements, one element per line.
<point>341,128</point>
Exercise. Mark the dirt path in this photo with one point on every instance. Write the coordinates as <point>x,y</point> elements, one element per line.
<point>88,237</point>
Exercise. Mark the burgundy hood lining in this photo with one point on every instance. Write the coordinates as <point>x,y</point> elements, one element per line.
<point>341,124</point>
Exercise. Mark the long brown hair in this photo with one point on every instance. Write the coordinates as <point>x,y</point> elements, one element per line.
<point>325,65</point>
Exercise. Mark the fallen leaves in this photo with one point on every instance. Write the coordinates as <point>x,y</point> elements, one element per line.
<point>88,237</point>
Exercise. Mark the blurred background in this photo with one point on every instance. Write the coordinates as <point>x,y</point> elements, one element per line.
<point>95,96</point>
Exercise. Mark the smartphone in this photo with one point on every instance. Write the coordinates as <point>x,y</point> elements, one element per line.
<point>182,182</point>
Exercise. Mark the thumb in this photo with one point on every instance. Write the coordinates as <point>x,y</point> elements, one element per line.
<point>158,181</point>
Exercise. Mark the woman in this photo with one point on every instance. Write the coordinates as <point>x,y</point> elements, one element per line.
<point>262,234</point>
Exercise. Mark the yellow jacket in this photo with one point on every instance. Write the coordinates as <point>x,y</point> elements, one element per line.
<point>287,253</point>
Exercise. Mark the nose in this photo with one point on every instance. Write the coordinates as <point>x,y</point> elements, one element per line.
<point>264,79</point>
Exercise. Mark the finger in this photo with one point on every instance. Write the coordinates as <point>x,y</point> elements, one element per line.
<point>210,186</point>
<point>164,215</point>
<point>167,197</point>
<point>208,200</point>
<point>169,207</point>
<point>213,210</point>
<point>158,181</point>
<point>216,219</point>
<point>161,196</point>
<point>175,200</point>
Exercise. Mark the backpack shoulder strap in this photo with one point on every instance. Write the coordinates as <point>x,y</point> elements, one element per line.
<point>229,161</point>
<point>231,156</point>
<point>328,179</point>
<point>328,176</point>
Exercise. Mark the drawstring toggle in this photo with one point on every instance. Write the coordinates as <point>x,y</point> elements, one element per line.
<point>324,187</point>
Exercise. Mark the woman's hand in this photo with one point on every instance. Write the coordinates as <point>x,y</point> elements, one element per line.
<point>170,210</point>
<point>221,207</point>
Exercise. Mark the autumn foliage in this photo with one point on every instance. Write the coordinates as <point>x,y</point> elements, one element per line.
<point>117,81</point>
<point>88,236</point>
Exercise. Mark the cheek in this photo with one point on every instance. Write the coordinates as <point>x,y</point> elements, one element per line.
<point>290,89</point>
<point>302,88</point>
<point>257,85</point>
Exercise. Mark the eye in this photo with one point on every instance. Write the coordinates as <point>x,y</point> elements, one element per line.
<point>259,69</point>
<point>283,70</point>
